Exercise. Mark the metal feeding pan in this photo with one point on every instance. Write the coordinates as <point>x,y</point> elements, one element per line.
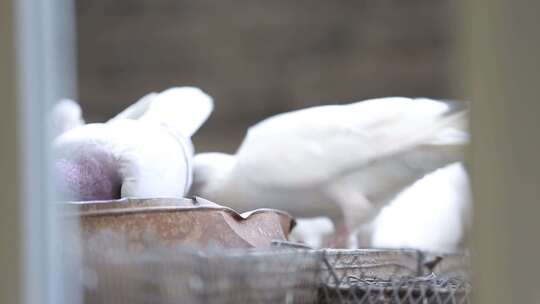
<point>172,221</point>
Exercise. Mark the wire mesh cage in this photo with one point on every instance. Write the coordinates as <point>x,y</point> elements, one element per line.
<point>281,275</point>
<point>392,276</point>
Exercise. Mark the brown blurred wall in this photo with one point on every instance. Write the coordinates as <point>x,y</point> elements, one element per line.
<point>257,58</point>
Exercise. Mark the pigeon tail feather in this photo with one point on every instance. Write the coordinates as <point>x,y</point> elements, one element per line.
<point>137,109</point>
<point>183,109</point>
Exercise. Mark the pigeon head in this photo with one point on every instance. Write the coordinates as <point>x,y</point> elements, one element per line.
<point>210,170</point>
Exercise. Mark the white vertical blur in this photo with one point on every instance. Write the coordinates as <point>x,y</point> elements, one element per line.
<point>46,72</point>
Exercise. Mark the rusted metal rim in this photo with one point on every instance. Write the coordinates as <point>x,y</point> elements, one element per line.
<point>150,205</point>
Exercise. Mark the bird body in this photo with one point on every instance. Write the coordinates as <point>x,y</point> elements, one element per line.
<point>144,155</point>
<point>342,161</point>
<point>328,138</point>
<point>433,214</point>
<point>312,231</point>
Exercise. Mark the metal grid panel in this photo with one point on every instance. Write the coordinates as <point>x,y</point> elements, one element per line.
<point>274,276</point>
<point>370,276</point>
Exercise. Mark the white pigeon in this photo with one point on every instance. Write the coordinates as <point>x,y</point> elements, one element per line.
<point>341,161</point>
<point>65,115</point>
<point>312,231</point>
<point>433,214</point>
<point>145,151</point>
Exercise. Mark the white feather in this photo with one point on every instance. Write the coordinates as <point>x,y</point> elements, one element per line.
<point>312,231</point>
<point>136,109</point>
<point>147,146</point>
<point>65,115</point>
<point>345,160</point>
<point>433,214</point>
<point>183,109</point>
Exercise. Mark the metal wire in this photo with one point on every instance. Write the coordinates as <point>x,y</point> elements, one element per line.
<point>283,275</point>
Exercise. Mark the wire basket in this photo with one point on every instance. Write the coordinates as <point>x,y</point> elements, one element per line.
<point>282,275</point>
<point>392,276</point>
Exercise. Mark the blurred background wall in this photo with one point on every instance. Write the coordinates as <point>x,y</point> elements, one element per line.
<point>258,58</point>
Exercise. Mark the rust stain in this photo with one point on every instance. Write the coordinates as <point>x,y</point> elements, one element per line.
<point>179,221</point>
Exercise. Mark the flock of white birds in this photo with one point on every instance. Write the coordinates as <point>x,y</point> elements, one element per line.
<point>384,172</point>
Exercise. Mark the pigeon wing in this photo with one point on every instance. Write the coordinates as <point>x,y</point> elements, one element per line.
<point>317,145</point>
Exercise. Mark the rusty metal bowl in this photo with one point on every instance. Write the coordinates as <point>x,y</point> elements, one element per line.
<point>172,221</point>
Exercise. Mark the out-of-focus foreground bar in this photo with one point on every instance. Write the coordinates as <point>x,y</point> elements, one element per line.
<point>502,57</point>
